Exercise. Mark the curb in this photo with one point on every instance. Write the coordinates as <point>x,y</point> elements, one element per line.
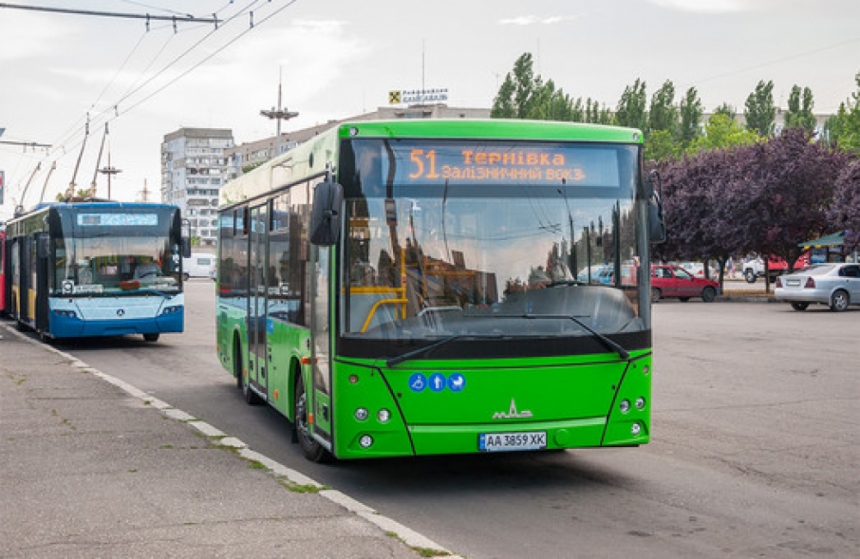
<point>419,543</point>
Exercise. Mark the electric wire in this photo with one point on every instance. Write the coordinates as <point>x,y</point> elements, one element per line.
<point>103,117</point>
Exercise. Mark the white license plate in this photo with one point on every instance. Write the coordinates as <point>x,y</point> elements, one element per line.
<point>500,442</point>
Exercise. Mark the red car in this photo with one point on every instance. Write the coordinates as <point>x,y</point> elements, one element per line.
<point>668,280</point>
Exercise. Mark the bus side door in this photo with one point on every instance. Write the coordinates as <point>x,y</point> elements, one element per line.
<point>257,315</point>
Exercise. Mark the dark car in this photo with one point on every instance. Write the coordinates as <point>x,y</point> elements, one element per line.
<point>669,280</point>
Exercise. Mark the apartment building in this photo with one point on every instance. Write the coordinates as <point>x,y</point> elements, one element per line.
<point>193,168</point>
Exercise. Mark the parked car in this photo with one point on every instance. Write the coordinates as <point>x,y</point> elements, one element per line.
<point>834,285</point>
<point>669,280</point>
<point>698,269</point>
<point>197,265</point>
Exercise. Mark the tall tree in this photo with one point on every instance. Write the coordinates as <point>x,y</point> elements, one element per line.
<point>843,129</point>
<point>799,113</point>
<point>760,112</point>
<point>503,105</point>
<point>692,110</point>
<point>662,113</point>
<point>632,107</point>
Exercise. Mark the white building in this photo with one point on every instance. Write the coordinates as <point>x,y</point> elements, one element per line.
<point>193,168</point>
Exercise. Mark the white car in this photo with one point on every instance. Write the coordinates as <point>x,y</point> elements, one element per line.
<point>835,285</point>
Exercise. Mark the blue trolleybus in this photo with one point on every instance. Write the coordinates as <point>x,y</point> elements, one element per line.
<point>92,269</point>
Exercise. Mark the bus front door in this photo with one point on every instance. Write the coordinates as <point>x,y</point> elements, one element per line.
<point>257,360</point>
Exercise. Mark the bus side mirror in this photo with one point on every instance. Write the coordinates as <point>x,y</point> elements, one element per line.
<point>656,222</point>
<point>326,213</point>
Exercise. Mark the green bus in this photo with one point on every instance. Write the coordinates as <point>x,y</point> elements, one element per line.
<point>418,287</point>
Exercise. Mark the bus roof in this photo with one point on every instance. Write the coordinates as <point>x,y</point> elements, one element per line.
<point>310,158</point>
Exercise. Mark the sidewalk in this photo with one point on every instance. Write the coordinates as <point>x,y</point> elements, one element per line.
<point>92,467</point>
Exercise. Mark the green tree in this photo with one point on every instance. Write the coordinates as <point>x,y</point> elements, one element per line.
<point>728,110</point>
<point>503,105</point>
<point>722,133</point>
<point>799,113</point>
<point>760,112</point>
<point>691,118</point>
<point>662,113</point>
<point>843,128</point>
<point>631,110</point>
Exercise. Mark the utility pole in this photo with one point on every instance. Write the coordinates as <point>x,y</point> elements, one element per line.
<point>280,113</point>
<point>109,171</point>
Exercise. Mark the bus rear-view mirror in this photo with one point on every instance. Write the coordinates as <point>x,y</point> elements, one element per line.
<point>326,213</point>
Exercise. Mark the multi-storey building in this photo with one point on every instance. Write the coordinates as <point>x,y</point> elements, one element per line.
<point>193,168</point>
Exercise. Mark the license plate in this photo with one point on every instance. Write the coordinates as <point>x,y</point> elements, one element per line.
<point>501,442</point>
<point>792,282</point>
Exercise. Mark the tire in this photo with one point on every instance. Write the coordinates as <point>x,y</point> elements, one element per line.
<point>151,337</point>
<point>798,306</point>
<point>749,275</point>
<point>655,294</point>
<point>709,294</point>
<point>311,448</point>
<point>840,300</point>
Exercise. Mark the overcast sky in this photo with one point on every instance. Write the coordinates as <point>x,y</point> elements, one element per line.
<point>340,58</point>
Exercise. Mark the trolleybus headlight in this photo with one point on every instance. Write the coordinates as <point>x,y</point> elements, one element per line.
<point>383,416</point>
<point>640,403</point>
<point>365,441</point>
<point>635,429</point>
<point>361,414</point>
<point>624,406</point>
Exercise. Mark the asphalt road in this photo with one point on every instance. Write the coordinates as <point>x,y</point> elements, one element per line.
<point>753,448</point>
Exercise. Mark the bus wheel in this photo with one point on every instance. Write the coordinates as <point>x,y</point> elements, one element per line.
<point>312,449</point>
<point>150,337</point>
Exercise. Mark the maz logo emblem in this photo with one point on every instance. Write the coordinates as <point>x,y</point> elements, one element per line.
<point>512,413</point>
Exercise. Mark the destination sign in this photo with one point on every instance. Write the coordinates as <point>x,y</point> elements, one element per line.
<point>491,163</point>
<point>117,220</point>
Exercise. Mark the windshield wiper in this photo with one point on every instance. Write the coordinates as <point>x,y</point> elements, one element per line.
<point>392,361</point>
<point>609,344</point>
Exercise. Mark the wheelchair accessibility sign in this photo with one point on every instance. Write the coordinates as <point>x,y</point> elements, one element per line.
<point>437,382</point>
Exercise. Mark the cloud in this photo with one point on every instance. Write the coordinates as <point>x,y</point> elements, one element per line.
<point>535,20</point>
<point>705,6</point>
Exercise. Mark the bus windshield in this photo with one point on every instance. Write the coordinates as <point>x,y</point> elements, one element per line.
<point>449,240</point>
<point>112,253</point>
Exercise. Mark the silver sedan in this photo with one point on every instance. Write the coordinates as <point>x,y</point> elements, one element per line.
<point>834,285</point>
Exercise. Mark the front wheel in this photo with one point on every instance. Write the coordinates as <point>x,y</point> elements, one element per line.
<point>798,306</point>
<point>709,294</point>
<point>839,301</point>
<point>311,448</point>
